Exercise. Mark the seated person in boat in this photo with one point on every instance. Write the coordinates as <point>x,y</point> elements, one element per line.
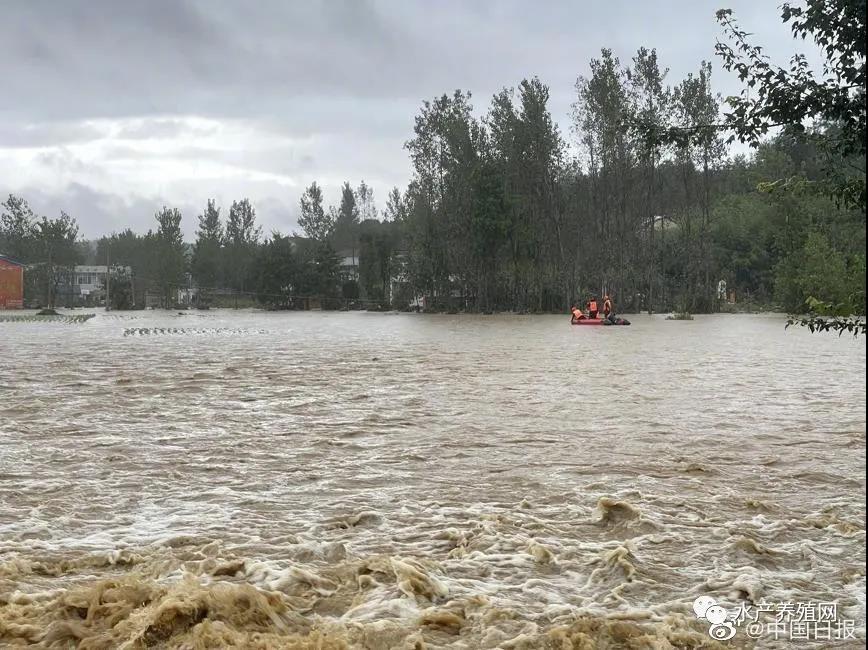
<point>608,309</point>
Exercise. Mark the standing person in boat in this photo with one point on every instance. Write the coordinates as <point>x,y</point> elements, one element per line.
<point>592,307</point>
<point>577,314</point>
<point>608,309</point>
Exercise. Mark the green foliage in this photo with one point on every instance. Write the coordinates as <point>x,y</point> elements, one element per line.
<point>121,292</point>
<point>208,260</point>
<point>350,290</point>
<point>57,239</point>
<point>275,272</point>
<point>498,219</point>
<point>314,221</point>
<point>815,269</point>
<point>377,248</point>
<point>367,209</point>
<point>168,246</point>
<point>49,246</point>
<point>17,235</point>
<point>742,238</point>
<point>320,271</point>
<point>139,252</point>
<point>346,219</point>
<point>242,237</point>
<point>815,276</point>
<point>797,96</point>
<point>806,236</point>
<point>396,207</point>
<point>829,317</point>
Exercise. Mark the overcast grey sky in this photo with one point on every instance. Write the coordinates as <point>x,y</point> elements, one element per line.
<point>112,108</point>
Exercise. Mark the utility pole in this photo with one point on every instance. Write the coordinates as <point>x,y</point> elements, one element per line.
<point>107,279</point>
<point>50,281</point>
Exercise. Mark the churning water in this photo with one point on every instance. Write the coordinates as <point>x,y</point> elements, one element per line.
<point>349,480</point>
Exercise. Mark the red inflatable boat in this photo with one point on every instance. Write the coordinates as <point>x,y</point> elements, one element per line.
<point>587,321</point>
<point>600,321</point>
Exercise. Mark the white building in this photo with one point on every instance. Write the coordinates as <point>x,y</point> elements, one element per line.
<point>187,294</point>
<point>349,264</point>
<point>87,283</point>
<point>88,280</point>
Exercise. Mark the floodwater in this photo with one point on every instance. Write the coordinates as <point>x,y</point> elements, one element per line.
<point>352,480</point>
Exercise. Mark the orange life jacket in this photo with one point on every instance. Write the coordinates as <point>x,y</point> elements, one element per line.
<point>577,313</point>
<point>592,306</point>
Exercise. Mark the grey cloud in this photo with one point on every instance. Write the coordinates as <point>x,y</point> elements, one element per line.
<point>160,128</point>
<point>96,212</point>
<point>99,213</point>
<point>99,58</point>
<point>338,80</point>
<point>46,134</point>
<point>277,215</point>
<point>279,158</point>
<point>61,160</point>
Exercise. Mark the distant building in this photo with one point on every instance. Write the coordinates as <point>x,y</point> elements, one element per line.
<point>88,281</point>
<point>11,283</point>
<point>86,284</point>
<point>188,294</point>
<point>349,264</point>
<point>658,223</point>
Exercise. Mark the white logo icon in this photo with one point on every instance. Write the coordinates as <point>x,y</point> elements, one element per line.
<point>707,608</point>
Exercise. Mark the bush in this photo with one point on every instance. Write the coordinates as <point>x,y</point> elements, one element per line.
<point>120,293</point>
<point>816,270</point>
<point>350,290</point>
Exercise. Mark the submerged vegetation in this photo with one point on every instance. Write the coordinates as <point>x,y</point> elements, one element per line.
<point>55,317</point>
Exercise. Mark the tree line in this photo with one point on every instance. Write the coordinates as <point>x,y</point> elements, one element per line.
<point>230,257</point>
<point>50,245</point>
<point>643,199</point>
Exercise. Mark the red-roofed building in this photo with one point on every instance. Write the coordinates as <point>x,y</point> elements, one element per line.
<point>11,283</point>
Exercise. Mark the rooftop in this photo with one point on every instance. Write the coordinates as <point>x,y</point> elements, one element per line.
<point>9,260</point>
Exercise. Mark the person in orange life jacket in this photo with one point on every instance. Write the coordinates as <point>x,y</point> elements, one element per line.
<point>592,307</point>
<point>577,314</point>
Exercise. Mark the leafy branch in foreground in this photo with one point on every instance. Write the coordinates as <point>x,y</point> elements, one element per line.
<point>826,317</point>
<point>797,97</point>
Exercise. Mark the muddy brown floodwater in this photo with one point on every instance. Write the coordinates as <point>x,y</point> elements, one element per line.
<point>351,480</point>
